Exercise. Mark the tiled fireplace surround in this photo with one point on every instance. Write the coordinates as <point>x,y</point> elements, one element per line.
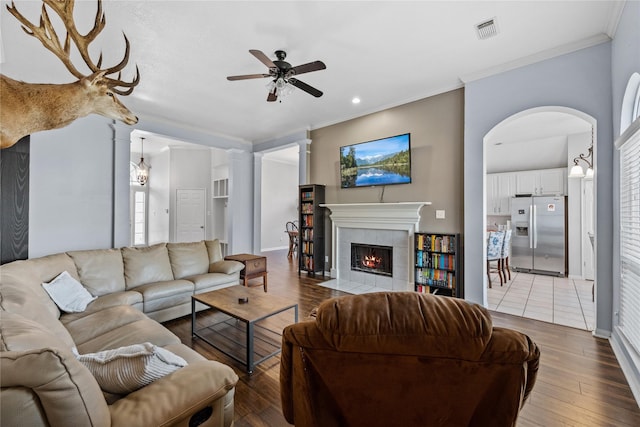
<point>387,224</point>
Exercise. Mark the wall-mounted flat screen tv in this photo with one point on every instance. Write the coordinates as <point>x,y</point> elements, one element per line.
<point>380,162</point>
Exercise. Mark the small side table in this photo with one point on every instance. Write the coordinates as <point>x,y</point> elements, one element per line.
<point>254,266</point>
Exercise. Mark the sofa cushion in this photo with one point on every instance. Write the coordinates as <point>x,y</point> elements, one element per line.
<point>126,369</point>
<point>161,295</point>
<point>23,294</point>
<point>146,265</point>
<point>131,333</point>
<point>100,322</point>
<point>50,266</point>
<point>188,259</point>
<point>214,250</point>
<point>101,271</point>
<point>68,294</point>
<point>27,275</point>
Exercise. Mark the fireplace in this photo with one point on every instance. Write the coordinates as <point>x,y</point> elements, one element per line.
<point>390,224</point>
<point>374,259</point>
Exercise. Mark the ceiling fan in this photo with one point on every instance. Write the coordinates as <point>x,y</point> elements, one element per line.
<point>283,74</point>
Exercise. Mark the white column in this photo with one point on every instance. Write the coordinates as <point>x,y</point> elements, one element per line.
<point>240,207</point>
<point>257,202</point>
<point>303,161</point>
<point>121,230</point>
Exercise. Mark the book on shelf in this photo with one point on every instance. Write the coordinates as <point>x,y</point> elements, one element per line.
<point>307,220</point>
<point>436,243</point>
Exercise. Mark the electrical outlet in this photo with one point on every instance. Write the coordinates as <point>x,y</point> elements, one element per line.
<point>326,258</point>
<point>440,214</point>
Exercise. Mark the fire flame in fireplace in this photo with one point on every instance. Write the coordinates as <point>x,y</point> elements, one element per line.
<point>371,261</point>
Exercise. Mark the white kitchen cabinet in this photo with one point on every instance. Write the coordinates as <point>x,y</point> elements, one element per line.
<point>547,182</point>
<point>501,188</point>
<point>552,182</point>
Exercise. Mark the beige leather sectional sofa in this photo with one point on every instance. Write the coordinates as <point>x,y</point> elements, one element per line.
<point>44,384</point>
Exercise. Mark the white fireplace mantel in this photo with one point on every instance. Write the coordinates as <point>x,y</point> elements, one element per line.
<point>385,216</point>
<point>401,216</point>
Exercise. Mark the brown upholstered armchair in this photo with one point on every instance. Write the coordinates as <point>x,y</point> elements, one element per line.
<point>404,359</point>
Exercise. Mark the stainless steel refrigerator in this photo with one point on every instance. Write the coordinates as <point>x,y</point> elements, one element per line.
<point>538,239</point>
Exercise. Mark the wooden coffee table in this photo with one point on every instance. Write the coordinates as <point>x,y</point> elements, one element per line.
<point>254,266</point>
<point>241,330</point>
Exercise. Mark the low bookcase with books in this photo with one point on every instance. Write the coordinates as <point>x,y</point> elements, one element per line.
<point>437,264</point>
<point>311,245</point>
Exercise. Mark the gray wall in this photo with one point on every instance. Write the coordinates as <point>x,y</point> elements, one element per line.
<point>435,124</point>
<point>580,80</point>
<point>71,188</point>
<point>279,202</point>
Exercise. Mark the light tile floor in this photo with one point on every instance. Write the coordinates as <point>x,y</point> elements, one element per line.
<point>551,299</point>
<point>556,300</point>
<point>350,287</point>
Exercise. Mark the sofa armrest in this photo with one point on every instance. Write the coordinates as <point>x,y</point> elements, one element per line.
<point>172,400</point>
<point>226,267</point>
<point>67,394</point>
<point>295,337</point>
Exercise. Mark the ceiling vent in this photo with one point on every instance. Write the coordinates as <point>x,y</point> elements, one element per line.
<point>487,29</point>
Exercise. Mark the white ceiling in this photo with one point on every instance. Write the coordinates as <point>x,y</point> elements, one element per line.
<point>534,141</point>
<point>385,52</point>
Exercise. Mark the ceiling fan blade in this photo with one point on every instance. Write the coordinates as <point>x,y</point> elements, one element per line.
<point>272,97</point>
<point>248,76</point>
<point>305,87</point>
<point>307,68</point>
<point>262,58</point>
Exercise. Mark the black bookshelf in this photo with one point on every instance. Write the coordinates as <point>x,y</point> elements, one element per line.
<point>437,264</point>
<point>311,239</point>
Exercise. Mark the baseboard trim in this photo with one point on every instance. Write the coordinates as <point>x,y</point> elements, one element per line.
<point>629,363</point>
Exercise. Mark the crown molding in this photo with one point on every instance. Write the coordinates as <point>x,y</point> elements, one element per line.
<point>537,57</point>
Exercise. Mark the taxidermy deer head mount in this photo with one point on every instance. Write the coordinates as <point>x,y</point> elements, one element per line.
<point>27,107</point>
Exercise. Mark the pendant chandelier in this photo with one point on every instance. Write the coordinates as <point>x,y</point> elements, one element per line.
<point>143,168</point>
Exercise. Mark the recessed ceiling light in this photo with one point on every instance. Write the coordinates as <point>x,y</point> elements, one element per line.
<point>355,100</point>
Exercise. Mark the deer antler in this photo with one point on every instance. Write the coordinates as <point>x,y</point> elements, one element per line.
<point>47,35</point>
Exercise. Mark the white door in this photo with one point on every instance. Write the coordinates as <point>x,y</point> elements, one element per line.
<point>190,215</point>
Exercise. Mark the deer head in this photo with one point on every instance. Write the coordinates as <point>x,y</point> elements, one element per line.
<point>27,108</point>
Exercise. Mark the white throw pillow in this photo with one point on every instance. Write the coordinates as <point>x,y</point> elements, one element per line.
<point>126,369</point>
<point>68,294</point>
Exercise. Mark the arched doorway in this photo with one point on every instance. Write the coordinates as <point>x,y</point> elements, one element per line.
<point>527,147</point>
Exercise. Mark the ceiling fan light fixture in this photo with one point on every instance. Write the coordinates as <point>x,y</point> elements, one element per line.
<point>283,76</point>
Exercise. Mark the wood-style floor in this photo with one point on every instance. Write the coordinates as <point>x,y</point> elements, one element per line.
<point>579,383</point>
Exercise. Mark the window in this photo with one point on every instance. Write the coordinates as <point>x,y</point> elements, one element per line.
<point>138,214</point>
<point>630,103</point>
<point>630,237</point>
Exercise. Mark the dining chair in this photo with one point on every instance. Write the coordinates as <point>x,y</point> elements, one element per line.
<point>494,252</point>
<point>504,256</point>
<point>291,229</point>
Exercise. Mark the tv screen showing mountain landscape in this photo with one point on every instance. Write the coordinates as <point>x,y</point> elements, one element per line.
<point>380,162</point>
